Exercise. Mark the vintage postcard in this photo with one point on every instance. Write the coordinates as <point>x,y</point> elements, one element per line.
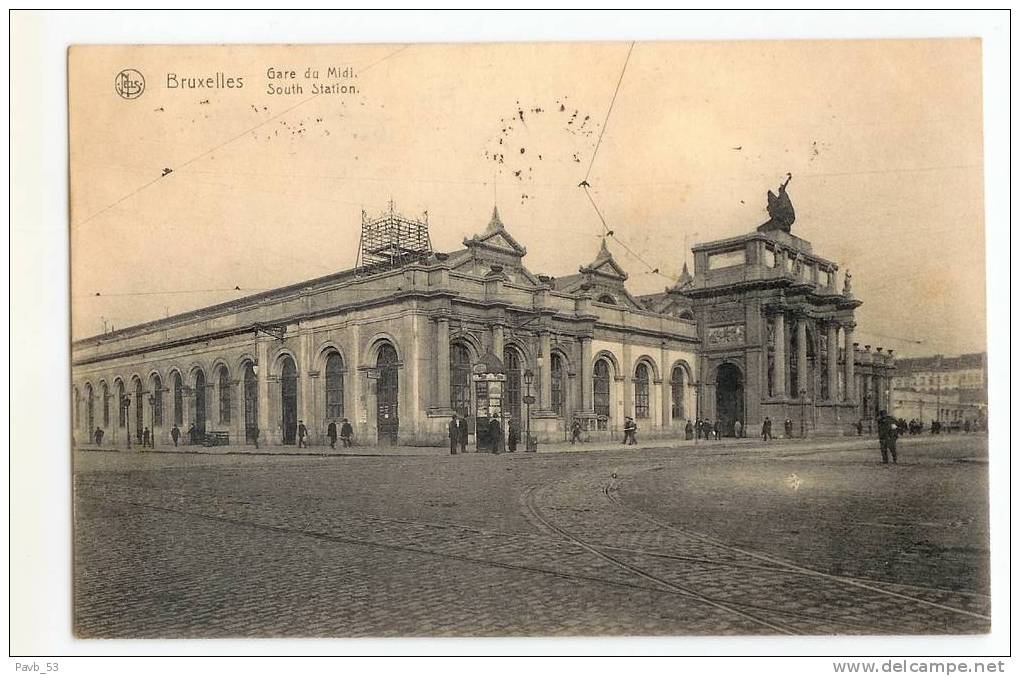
<point>559,339</point>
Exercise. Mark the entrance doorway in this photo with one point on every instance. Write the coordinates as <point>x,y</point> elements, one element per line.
<point>387,392</point>
<point>251,404</point>
<point>288,399</point>
<point>729,398</point>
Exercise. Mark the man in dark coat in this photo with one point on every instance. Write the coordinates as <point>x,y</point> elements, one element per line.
<point>575,432</point>
<point>689,431</point>
<point>717,430</point>
<point>887,433</point>
<point>145,438</point>
<point>254,436</point>
<point>463,431</point>
<point>98,435</point>
<point>513,436</point>
<point>302,434</point>
<point>454,428</point>
<point>496,434</point>
<point>331,433</point>
<point>175,434</point>
<point>630,431</point>
<point>766,429</point>
<point>346,432</point>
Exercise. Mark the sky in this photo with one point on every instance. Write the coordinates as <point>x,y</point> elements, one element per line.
<point>883,139</point>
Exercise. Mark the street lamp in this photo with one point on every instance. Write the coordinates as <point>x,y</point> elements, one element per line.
<point>125,404</point>
<point>803,404</point>
<point>152,417</point>
<point>529,378</point>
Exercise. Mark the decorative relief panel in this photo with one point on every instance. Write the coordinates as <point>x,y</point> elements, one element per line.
<point>726,335</point>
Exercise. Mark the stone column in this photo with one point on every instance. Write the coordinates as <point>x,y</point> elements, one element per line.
<point>666,390</point>
<point>779,356</point>
<point>848,362</point>
<point>584,371</point>
<point>627,381</point>
<point>442,391</point>
<point>262,377</point>
<point>802,362</point>
<point>236,429</point>
<point>545,372</point>
<point>832,359</point>
<point>497,340</point>
<point>304,367</point>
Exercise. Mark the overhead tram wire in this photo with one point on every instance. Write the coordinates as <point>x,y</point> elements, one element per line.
<point>221,145</point>
<point>584,185</point>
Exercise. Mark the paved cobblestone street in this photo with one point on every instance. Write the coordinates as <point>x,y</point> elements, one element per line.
<point>797,538</point>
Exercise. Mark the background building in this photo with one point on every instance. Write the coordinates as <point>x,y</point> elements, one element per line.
<point>942,388</point>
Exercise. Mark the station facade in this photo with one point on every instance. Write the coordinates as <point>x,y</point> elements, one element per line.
<point>759,330</point>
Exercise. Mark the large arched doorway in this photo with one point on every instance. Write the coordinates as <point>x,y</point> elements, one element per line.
<point>200,406</point>
<point>251,404</point>
<point>601,394</point>
<point>288,399</point>
<point>729,398</point>
<point>387,393</point>
<point>512,398</point>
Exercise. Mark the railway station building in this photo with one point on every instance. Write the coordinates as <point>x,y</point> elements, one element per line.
<point>410,337</point>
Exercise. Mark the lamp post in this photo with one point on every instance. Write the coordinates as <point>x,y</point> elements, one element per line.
<point>803,404</point>
<point>529,378</point>
<point>152,417</point>
<point>125,404</point>
<point>697,410</point>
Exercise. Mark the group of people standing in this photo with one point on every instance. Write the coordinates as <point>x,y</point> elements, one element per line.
<point>707,429</point>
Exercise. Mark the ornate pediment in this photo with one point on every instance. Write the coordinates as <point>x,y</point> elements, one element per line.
<point>496,239</point>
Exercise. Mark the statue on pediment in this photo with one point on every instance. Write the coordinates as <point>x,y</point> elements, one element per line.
<point>780,208</point>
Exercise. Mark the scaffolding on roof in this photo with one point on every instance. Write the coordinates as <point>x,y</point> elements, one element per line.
<point>392,241</point>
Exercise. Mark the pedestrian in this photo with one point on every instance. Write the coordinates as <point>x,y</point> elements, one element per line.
<point>887,433</point>
<point>738,429</point>
<point>454,429</point>
<point>689,430</point>
<point>697,428</point>
<point>717,431</point>
<point>99,435</point>
<point>788,428</point>
<point>346,433</point>
<point>630,431</point>
<point>966,426</point>
<point>331,433</point>
<point>575,432</point>
<point>463,431</point>
<point>255,436</point>
<point>513,436</point>
<point>175,434</point>
<point>191,434</point>
<point>766,429</point>
<point>145,438</point>
<point>302,434</point>
<point>496,434</point>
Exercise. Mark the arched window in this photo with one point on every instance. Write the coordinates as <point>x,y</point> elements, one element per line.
<point>76,420</point>
<point>823,365</point>
<point>139,409</point>
<point>460,379</point>
<point>90,408</point>
<point>676,386</point>
<point>556,382</point>
<point>334,387</point>
<point>600,375</point>
<point>201,410</point>
<point>178,399</point>
<point>157,401</point>
<point>121,408</point>
<point>106,406</point>
<point>641,391</point>
<point>607,299</point>
<point>512,399</point>
<point>223,383</point>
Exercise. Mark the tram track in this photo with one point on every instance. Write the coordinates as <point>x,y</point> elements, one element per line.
<point>778,565</point>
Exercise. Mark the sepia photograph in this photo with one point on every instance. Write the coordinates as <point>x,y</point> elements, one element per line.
<point>523,339</point>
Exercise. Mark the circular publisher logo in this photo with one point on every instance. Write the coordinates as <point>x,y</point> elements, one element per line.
<point>129,84</point>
